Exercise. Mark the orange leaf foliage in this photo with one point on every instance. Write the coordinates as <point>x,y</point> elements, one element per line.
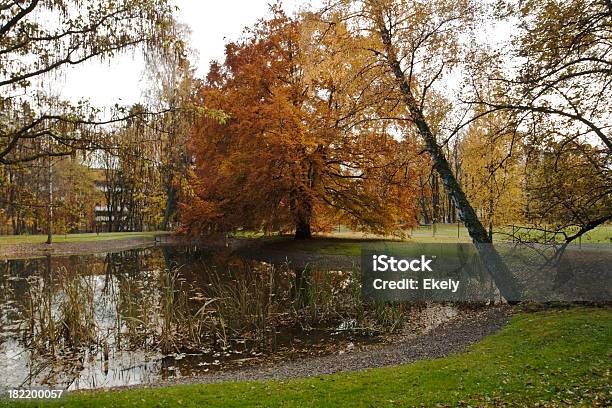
<point>282,162</point>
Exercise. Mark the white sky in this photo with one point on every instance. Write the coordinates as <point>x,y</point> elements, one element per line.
<point>212,23</point>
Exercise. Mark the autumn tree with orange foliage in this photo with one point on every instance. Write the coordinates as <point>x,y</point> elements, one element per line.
<point>288,158</point>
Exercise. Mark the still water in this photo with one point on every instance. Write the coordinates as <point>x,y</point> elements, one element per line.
<point>139,316</point>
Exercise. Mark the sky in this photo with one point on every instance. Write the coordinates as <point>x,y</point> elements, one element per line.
<point>212,24</point>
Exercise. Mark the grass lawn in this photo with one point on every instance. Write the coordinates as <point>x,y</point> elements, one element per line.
<point>340,242</point>
<point>458,233</point>
<point>602,234</point>
<point>345,242</point>
<point>555,358</point>
<point>85,237</point>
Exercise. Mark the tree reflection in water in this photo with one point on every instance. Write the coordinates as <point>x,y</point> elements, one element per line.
<point>140,315</point>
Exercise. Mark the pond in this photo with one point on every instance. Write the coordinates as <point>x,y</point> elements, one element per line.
<point>144,315</point>
<point>173,311</point>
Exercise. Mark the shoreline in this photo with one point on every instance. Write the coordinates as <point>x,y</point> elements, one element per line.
<point>36,250</point>
<point>448,338</point>
<point>29,250</point>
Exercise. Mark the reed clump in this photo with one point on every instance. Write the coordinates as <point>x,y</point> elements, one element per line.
<point>163,311</point>
<point>60,318</point>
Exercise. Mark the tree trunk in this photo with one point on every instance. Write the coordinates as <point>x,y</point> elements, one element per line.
<point>49,202</point>
<point>302,197</point>
<point>303,215</point>
<point>424,201</point>
<point>302,231</point>
<point>435,201</point>
<point>170,205</point>
<point>502,276</point>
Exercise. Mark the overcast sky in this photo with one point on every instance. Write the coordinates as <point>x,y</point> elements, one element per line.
<point>212,23</point>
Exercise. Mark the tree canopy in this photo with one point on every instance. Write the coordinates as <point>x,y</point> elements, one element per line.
<point>285,159</point>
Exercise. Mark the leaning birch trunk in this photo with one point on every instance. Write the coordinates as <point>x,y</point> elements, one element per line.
<point>499,271</point>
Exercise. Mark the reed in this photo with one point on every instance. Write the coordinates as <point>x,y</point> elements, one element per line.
<point>167,313</point>
<point>59,319</point>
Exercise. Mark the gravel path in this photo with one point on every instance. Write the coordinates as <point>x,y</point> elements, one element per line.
<point>448,338</point>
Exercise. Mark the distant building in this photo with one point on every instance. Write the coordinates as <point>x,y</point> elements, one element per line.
<point>108,216</point>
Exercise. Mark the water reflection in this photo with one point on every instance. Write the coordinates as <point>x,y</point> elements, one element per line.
<point>142,315</point>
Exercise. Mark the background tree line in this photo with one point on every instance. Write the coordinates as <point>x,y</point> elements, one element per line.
<point>375,114</point>
<point>61,161</point>
<point>313,100</point>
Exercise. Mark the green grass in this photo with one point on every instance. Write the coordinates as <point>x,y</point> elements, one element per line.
<point>556,357</point>
<point>451,233</point>
<point>345,242</point>
<point>602,234</point>
<point>340,242</point>
<point>85,237</point>
<point>319,245</point>
<point>599,235</point>
<point>342,246</point>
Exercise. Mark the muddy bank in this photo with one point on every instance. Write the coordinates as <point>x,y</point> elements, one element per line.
<point>447,338</point>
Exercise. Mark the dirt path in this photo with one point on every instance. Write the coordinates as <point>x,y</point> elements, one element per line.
<point>449,338</point>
